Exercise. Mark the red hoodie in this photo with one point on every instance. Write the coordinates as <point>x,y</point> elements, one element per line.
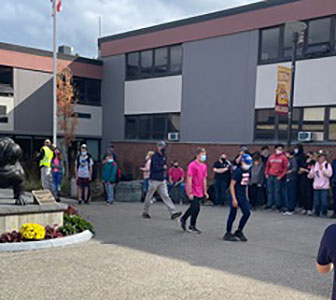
<point>277,165</point>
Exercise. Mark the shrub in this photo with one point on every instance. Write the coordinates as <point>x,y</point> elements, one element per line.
<point>75,224</point>
<point>52,232</point>
<point>31,231</point>
<point>11,237</point>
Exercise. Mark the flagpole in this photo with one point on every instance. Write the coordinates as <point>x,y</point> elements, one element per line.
<point>54,76</point>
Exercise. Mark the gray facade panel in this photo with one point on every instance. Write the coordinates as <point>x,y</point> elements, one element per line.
<point>33,102</point>
<point>113,99</point>
<point>219,81</point>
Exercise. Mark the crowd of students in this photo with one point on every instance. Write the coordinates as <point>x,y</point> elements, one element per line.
<point>287,180</point>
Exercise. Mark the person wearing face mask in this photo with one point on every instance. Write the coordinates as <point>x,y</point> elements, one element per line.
<point>222,172</point>
<point>321,173</point>
<point>239,198</point>
<point>300,157</point>
<point>196,190</point>
<point>83,171</point>
<point>109,177</point>
<point>157,183</point>
<point>257,181</point>
<point>291,183</point>
<point>276,170</point>
<point>176,181</point>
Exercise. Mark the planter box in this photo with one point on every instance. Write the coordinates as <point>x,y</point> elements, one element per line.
<point>129,191</point>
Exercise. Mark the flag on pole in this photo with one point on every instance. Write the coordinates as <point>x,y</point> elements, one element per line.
<point>58,5</point>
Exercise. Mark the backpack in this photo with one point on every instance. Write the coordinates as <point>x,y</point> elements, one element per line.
<point>94,169</point>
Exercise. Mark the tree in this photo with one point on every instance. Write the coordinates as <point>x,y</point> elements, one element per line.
<point>66,104</point>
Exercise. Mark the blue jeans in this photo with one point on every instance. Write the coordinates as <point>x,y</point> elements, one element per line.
<point>221,188</point>
<point>109,187</point>
<point>321,202</point>
<point>291,188</point>
<point>245,208</point>
<point>276,192</point>
<point>57,181</point>
<point>145,185</point>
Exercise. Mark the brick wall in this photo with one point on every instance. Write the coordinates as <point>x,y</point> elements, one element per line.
<point>131,156</point>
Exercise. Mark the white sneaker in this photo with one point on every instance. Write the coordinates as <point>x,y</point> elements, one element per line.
<point>288,213</point>
<point>310,213</point>
<point>303,212</point>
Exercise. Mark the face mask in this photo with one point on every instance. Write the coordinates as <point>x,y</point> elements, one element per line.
<point>176,166</point>
<point>110,160</point>
<point>278,152</point>
<point>246,167</point>
<point>163,150</point>
<point>203,157</point>
<point>84,152</point>
<point>296,151</point>
<point>223,158</point>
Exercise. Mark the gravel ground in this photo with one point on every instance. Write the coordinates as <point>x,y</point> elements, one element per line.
<point>133,258</point>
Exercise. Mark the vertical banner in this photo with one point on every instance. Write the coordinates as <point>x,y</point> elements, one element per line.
<point>283,90</point>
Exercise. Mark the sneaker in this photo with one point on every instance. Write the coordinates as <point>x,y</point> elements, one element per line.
<point>303,212</point>
<point>183,224</point>
<point>229,237</point>
<point>176,215</point>
<point>146,216</point>
<point>288,213</point>
<point>80,202</point>
<point>107,203</point>
<point>310,213</point>
<point>193,229</point>
<point>240,235</point>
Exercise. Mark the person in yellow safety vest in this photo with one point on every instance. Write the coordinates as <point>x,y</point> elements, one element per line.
<point>46,156</point>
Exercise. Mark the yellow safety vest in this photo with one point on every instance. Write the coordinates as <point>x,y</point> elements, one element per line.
<point>48,156</point>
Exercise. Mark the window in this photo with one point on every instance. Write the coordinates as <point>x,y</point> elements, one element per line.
<point>87,91</point>
<point>319,31</point>
<point>161,60</point>
<point>151,127</point>
<point>313,120</point>
<point>131,128</point>
<point>26,145</point>
<point>282,129</point>
<point>265,124</point>
<point>6,76</point>
<point>332,124</point>
<point>157,62</point>
<point>176,58</point>
<point>270,43</point>
<point>146,63</point>
<point>83,116</point>
<point>3,114</point>
<point>132,65</point>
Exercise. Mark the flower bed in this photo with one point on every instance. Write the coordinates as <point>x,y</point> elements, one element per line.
<point>73,223</point>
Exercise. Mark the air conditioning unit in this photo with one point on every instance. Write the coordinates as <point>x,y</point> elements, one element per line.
<point>305,136</point>
<point>173,136</point>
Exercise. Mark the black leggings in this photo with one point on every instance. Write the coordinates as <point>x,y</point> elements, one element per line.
<point>192,211</point>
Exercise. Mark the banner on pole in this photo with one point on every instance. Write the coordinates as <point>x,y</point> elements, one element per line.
<point>283,90</point>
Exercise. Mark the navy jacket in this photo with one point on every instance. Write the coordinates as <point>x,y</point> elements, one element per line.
<point>157,170</point>
<point>333,179</point>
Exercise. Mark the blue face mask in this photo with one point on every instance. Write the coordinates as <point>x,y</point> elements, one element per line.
<point>84,153</point>
<point>203,157</point>
<point>110,160</point>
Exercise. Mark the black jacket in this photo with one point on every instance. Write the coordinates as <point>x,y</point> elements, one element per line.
<point>157,167</point>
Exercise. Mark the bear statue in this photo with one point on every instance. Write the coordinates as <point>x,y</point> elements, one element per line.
<point>11,171</point>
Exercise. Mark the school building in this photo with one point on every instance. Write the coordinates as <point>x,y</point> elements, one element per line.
<point>208,80</point>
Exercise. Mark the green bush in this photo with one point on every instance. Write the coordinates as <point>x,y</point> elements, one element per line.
<point>75,224</point>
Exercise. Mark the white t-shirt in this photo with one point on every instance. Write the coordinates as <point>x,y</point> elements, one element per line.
<point>84,166</point>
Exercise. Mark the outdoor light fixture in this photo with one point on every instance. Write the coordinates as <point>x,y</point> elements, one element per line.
<point>297,30</point>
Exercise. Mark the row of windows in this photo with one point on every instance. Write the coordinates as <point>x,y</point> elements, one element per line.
<point>6,81</point>
<point>151,127</point>
<point>319,39</point>
<point>319,120</point>
<point>88,91</point>
<point>3,114</point>
<point>154,62</point>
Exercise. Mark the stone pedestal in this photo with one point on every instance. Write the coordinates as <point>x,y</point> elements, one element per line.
<point>12,217</point>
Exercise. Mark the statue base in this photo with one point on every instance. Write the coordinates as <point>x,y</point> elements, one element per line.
<point>12,216</point>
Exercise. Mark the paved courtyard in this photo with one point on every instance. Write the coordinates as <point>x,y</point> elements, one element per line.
<point>133,258</point>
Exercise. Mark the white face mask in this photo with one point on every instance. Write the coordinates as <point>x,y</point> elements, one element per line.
<point>278,152</point>
<point>246,167</point>
<point>110,160</point>
<point>296,151</point>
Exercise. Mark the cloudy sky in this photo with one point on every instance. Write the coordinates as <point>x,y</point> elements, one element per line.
<point>29,22</point>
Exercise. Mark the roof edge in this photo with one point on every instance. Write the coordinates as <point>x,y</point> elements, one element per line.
<point>46,53</point>
<point>198,19</point>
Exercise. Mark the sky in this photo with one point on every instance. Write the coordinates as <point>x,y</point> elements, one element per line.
<point>29,22</point>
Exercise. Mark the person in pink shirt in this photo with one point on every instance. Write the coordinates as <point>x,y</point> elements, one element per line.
<point>196,189</point>
<point>321,173</point>
<point>176,181</point>
<point>57,165</point>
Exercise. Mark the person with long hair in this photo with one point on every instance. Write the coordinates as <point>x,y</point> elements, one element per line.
<point>57,167</point>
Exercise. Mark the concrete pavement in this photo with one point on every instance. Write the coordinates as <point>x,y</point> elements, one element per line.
<point>133,258</point>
